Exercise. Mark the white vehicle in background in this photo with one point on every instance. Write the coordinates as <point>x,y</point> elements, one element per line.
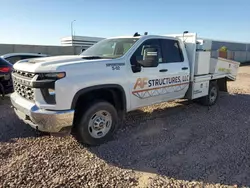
<point>89,93</point>
<point>14,57</point>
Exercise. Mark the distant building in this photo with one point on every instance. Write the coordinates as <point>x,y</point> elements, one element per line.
<point>211,44</point>
<point>82,41</point>
<point>239,51</point>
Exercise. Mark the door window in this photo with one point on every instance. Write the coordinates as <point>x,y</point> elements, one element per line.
<point>171,51</point>
<point>138,54</point>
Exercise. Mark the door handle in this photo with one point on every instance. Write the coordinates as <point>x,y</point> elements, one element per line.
<point>163,70</point>
<point>184,68</point>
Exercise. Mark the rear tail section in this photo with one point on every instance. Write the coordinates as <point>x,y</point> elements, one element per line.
<point>224,66</point>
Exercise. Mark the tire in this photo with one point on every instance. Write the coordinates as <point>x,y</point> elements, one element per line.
<point>213,95</point>
<point>91,123</point>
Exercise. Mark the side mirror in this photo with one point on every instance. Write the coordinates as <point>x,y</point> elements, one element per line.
<point>150,57</point>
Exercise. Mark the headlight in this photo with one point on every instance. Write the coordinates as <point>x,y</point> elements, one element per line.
<point>54,75</point>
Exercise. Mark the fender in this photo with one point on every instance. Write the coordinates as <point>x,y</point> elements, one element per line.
<point>104,86</point>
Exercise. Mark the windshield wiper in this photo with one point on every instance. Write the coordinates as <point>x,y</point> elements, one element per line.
<point>92,57</point>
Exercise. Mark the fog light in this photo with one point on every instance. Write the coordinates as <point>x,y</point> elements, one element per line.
<point>51,91</point>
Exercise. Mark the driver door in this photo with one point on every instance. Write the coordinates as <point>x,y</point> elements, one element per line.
<point>145,82</point>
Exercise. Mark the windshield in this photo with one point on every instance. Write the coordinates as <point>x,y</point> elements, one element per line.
<point>110,48</point>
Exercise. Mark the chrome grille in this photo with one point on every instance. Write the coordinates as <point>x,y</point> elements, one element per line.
<point>21,86</point>
<point>24,74</point>
<point>24,91</point>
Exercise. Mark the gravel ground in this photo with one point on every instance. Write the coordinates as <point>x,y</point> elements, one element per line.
<point>175,144</point>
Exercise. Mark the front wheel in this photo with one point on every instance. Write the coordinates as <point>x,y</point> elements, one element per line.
<point>97,123</point>
<point>213,95</point>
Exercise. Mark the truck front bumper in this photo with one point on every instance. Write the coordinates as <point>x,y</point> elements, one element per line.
<point>43,120</point>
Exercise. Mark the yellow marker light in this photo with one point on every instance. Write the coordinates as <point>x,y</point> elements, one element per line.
<point>61,75</point>
<point>56,75</point>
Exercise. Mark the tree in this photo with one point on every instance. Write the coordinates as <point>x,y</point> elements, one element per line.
<point>223,49</point>
<point>223,52</point>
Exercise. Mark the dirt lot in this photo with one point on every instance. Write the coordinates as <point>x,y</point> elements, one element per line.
<point>170,145</point>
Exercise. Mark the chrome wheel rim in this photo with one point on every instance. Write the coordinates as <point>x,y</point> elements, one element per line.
<point>213,94</point>
<point>100,124</point>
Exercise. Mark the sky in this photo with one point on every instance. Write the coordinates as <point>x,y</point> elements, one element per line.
<point>45,22</point>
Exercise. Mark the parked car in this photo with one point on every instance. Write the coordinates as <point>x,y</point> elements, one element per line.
<point>6,85</point>
<point>14,57</point>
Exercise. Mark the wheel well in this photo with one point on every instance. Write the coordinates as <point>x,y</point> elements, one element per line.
<point>222,84</point>
<point>112,95</point>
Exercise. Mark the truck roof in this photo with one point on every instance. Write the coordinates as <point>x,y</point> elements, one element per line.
<point>142,36</point>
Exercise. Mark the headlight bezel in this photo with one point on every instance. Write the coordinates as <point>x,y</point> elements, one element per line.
<point>48,88</point>
<point>52,75</point>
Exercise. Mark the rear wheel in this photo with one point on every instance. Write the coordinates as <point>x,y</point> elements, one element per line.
<point>213,94</point>
<point>97,123</point>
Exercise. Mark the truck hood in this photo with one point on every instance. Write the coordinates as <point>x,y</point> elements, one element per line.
<point>49,64</point>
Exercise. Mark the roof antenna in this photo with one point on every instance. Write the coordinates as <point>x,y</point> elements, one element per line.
<point>145,33</point>
<point>136,34</point>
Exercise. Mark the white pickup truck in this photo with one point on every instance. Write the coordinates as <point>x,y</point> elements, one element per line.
<point>89,93</point>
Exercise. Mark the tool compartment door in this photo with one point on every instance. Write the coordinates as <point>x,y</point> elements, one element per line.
<point>200,86</point>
